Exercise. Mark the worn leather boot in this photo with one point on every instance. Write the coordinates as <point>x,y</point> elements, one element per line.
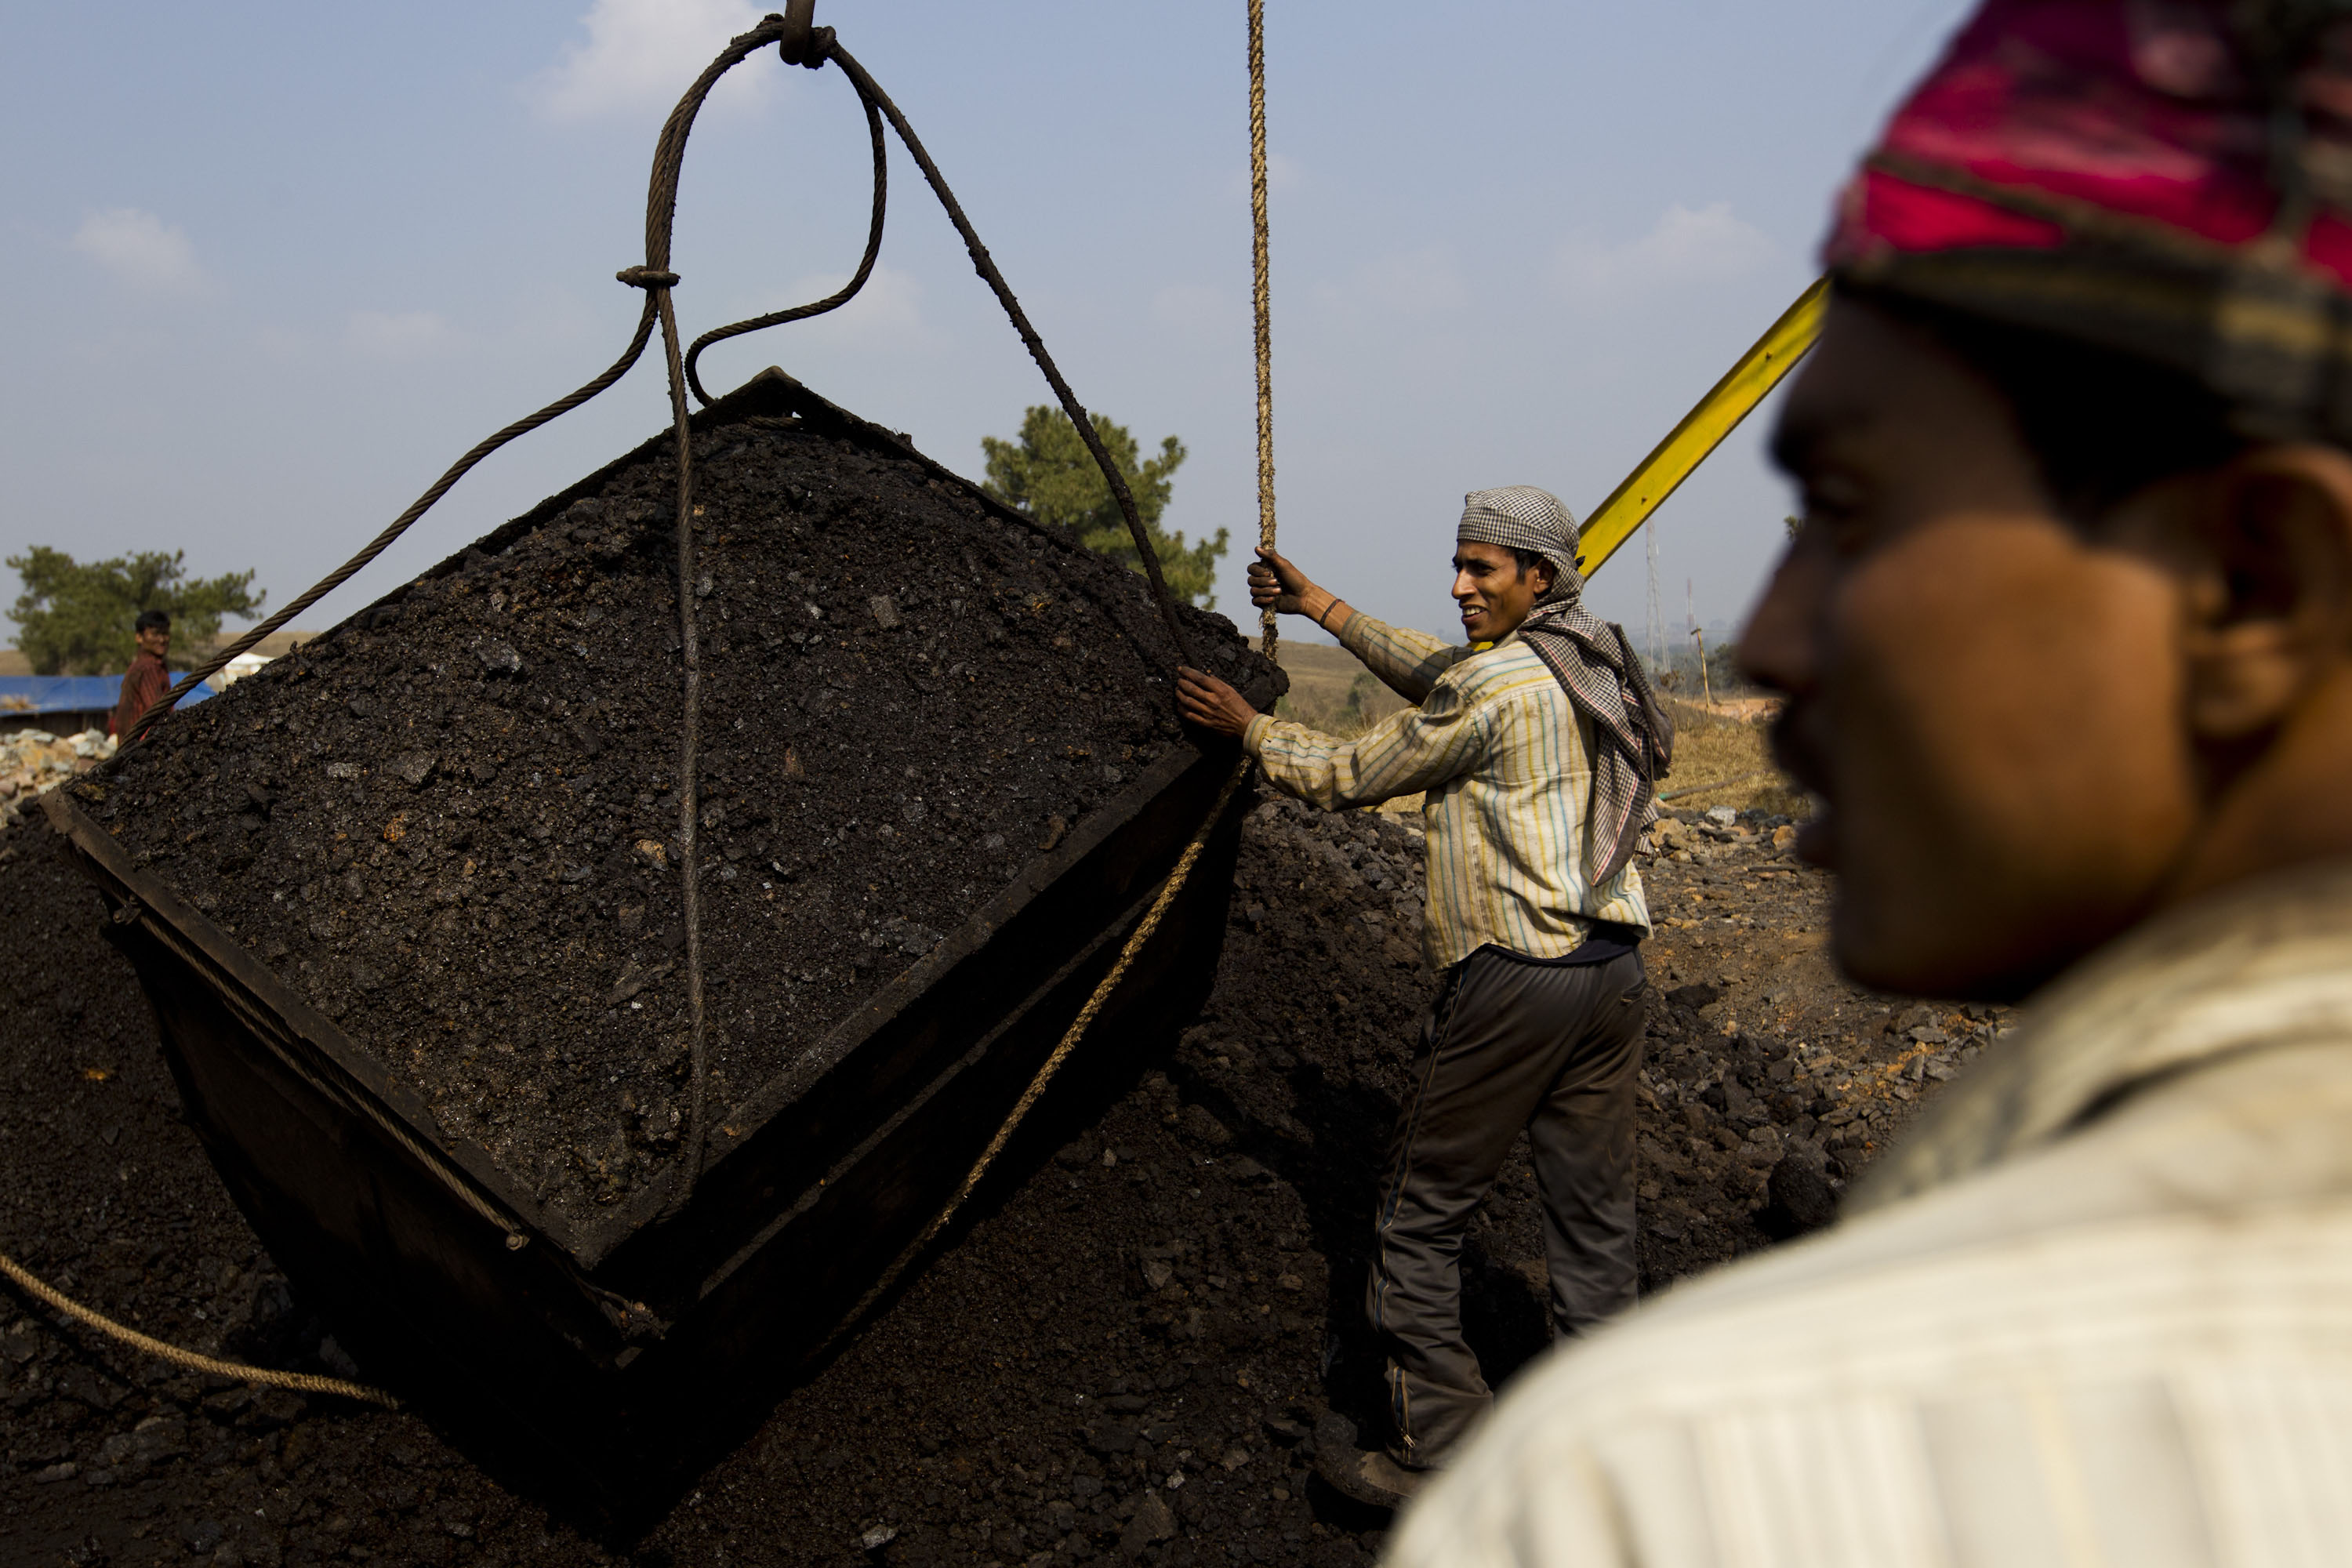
<point>1367,1475</point>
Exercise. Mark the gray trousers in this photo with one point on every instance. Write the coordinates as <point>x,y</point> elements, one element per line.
<point>1510,1043</point>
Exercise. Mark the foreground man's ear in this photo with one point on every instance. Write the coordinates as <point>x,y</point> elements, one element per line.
<point>2266,549</point>
<point>2269,604</point>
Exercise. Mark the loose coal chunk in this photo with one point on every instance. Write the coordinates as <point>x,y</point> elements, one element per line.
<point>455,823</point>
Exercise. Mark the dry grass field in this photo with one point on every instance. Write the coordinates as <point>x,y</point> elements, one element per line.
<point>1732,752</point>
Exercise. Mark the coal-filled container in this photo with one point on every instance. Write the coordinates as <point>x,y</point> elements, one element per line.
<point>408,906</point>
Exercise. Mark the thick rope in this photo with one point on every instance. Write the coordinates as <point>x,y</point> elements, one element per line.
<point>147,1345</point>
<point>690,793</point>
<point>1143,934</point>
<point>661,210</point>
<point>1262,301</point>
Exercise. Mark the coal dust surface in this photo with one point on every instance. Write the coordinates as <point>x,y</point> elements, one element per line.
<point>1122,1351</point>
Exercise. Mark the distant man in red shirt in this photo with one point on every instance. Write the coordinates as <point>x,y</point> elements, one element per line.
<point>146,679</point>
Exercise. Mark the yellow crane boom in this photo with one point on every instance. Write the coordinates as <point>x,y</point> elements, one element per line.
<point>1613,522</point>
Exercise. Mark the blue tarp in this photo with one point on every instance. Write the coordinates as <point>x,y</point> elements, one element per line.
<point>37,694</point>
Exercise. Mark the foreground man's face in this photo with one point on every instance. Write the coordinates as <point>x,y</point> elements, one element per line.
<point>1988,700</point>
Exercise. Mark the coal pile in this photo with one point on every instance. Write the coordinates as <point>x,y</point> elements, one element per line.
<point>453,823</point>
<point>1164,1280</point>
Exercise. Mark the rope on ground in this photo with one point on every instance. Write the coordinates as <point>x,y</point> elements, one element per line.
<point>301,1382</point>
<point>1720,783</point>
<point>1262,302</point>
<point>1143,934</point>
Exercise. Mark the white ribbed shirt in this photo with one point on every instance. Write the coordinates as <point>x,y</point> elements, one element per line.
<point>1506,761</point>
<point>2098,1310</point>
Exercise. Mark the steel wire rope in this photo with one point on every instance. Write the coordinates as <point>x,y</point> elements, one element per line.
<point>398,526</point>
<point>813,47</point>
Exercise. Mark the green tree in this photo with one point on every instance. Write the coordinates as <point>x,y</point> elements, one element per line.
<point>74,618</point>
<point>1048,474</point>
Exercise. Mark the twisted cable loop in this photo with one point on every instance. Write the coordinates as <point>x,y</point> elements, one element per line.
<point>849,291</point>
<point>661,209</point>
<point>804,43</point>
<point>983,264</point>
<point>399,525</point>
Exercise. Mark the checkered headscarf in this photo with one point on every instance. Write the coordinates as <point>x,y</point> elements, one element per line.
<point>1633,740</point>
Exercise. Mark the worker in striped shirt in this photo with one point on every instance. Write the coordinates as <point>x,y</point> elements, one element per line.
<point>1536,746</point>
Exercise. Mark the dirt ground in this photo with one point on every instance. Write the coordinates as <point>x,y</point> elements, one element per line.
<point>1121,1351</point>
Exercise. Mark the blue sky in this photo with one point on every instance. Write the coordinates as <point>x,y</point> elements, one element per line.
<point>283,263</point>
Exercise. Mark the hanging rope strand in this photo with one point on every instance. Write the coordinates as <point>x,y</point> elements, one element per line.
<point>1263,304</point>
<point>1190,858</point>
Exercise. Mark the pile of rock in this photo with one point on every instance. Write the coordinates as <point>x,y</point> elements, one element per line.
<point>1685,837</point>
<point>1771,1079</point>
<point>34,762</point>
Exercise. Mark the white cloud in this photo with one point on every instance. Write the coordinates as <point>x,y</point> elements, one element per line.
<point>640,55</point>
<point>1708,245</point>
<point>403,336</point>
<point>141,249</point>
<point>1408,283</point>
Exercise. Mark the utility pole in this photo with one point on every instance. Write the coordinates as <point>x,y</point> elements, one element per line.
<point>1690,623</point>
<point>1658,626</point>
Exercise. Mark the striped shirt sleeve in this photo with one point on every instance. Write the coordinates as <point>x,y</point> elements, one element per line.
<point>1407,753</point>
<point>1408,662</point>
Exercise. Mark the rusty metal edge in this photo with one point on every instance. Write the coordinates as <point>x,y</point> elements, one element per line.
<point>1114,931</point>
<point>781,1089</point>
